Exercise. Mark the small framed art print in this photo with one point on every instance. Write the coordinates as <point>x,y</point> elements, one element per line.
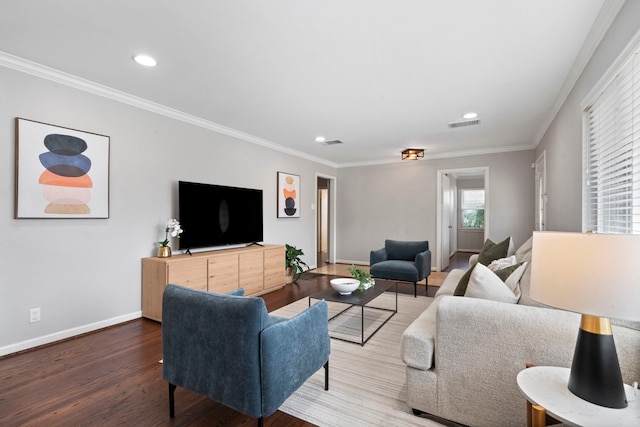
<point>288,195</point>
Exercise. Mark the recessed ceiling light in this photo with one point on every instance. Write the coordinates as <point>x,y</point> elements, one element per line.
<point>145,60</point>
<point>320,139</point>
<point>470,116</point>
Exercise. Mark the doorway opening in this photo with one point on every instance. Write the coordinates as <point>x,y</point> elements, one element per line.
<point>541,193</point>
<point>325,224</point>
<point>456,232</point>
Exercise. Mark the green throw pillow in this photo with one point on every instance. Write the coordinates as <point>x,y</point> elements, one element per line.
<point>493,252</point>
<point>490,252</point>
<point>463,283</point>
<point>507,271</point>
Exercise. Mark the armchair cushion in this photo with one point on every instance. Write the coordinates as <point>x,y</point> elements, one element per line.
<point>396,270</point>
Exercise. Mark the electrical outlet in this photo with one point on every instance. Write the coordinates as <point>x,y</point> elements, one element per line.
<point>34,315</point>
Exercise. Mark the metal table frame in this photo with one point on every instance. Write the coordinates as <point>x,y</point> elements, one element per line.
<point>360,299</point>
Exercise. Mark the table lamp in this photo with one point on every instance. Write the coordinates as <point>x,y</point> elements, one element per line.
<point>598,276</point>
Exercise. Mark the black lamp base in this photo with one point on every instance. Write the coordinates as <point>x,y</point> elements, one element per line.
<point>595,372</point>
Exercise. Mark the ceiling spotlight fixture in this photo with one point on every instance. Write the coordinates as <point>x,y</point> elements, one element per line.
<point>412,154</point>
<point>145,60</point>
<point>320,139</point>
<point>470,116</point>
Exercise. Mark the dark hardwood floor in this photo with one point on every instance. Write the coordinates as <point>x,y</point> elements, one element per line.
<point>459,260</point>
<point>113,377</point>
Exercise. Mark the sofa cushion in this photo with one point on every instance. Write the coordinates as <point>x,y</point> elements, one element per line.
<point>523,253</point>
<point>418,340</point>
<point>396,270</point>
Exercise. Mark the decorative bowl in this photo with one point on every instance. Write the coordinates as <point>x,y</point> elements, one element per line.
<point>345,286</point>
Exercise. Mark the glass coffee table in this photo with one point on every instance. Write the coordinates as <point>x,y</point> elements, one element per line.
<point>359,299</point>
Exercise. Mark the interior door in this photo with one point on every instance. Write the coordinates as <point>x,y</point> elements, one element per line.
<point>323,232</point>
<point>446,222</point>
<point>541,193</point>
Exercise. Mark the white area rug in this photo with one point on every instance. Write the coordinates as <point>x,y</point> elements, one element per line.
<point>367,385</point>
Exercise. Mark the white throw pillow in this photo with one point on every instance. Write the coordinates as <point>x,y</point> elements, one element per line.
<point>513,281</point>
<point>501,263</point>
<point>484,284</point>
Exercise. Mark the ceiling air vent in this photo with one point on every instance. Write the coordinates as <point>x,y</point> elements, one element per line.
<point>464,123</point>
<point>333,142</point>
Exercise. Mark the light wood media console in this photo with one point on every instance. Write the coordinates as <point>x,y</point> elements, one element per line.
<point>257,269</point>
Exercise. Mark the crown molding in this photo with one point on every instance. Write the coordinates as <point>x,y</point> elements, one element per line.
<point>51,74</point>
<point>22,65</point>
<point>605,18</point>
<point>445,155</point>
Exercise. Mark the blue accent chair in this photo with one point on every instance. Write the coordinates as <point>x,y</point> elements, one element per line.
<point>228,348</point>
<point>402,261</point>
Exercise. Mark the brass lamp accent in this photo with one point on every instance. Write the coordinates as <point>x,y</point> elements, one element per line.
<point>595,275</point>
<point>412,154</point>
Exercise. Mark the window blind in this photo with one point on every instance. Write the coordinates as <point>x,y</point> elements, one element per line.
<point>611,154</point>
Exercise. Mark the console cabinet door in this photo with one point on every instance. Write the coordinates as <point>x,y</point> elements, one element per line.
<point>223,273</point>
<point>251,270</point>
<point>190,274</point>
<point>274,267</point>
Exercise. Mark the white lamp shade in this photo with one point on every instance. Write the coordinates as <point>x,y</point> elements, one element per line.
<point>592,274</point>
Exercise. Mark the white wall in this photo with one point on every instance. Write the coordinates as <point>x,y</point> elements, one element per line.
<point>563,139</point>
<point>86,273</point>
<point>398,201</point>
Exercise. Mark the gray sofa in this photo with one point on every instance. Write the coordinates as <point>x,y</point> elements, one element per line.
<point>463,354</point>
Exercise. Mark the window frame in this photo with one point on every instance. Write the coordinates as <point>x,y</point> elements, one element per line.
<point>462,209</point>
<point>611,148</point>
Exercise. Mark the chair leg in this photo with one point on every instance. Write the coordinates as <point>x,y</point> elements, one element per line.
<point>415,289</point>
<point>172,412</point>
<point>326,375</point>
<point>260,422</point>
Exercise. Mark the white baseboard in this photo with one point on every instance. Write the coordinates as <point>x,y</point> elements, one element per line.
<point>69,333</point>
<point>346,261</point>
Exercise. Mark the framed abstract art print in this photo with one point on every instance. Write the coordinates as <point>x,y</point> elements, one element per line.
<point>288,195</point>
<point>60,172</point>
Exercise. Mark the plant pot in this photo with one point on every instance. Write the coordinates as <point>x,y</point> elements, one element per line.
<point>164,252</point>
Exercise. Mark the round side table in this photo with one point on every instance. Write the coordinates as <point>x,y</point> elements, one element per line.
<point>546,386</point>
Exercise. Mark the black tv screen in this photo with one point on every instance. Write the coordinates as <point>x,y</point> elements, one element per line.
<point>215,215</point>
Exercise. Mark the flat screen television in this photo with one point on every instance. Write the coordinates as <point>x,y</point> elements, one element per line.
<point>216,215</point>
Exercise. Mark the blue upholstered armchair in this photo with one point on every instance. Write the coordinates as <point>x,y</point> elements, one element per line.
<point>402,261</point>
<point>230,349</point>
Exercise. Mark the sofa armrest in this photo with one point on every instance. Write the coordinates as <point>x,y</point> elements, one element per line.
<point>480,346</point>
<point>377,255</point>
<point>423,264</point>
<point>291,351</point>
<point>473,260</point>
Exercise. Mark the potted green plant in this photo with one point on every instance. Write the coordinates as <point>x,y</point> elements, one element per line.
<point>365,278</point>
<point>294,264</point>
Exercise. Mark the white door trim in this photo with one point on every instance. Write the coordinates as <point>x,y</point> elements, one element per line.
<point>332,218</point>
<point>481,170</point>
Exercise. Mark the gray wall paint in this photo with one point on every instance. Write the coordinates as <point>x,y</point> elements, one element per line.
<point>87,273</point>
<point>563,140</point>
<point>398,201</point>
